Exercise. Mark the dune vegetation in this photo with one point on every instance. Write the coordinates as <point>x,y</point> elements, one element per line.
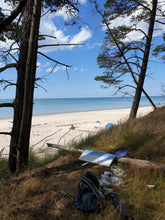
<point>48,189</point>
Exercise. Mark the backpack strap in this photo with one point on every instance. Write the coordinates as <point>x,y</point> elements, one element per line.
<point>94,189</point>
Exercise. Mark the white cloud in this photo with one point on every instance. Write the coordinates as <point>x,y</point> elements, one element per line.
<point>48,27</point>
<point>82,70</point>
<point>82,1</point>
<point>6,45</point>
<point>82,36</point>
<point>94,45</point>
<point>58,68</point>
<point>49,70</point>
<point>46,64</point>
<point>135,35</point>
<point>75,68</point>
<point>39,64</point>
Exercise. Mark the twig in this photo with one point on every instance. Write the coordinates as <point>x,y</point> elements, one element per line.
<point>65,148</point>
<point>63,136</point>
<point>46,137</point>
<point>7,104</point>
<point>54,60</point>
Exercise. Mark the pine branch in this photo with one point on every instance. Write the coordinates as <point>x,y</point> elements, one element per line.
<point>120,49</point>
<point>11,65</point>
<point>122,87</point>
<point>143,6</point>
<point>160,22</point>
<point>6,133</point>
<point>11,105</point>
<point>54,60</point>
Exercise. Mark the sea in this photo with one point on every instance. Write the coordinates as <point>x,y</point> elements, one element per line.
<point>48,106</point>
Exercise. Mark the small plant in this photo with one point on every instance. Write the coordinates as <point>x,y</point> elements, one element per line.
<point>3,167</point>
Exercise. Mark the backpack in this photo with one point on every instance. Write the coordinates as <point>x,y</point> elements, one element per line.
<point>89,197</point>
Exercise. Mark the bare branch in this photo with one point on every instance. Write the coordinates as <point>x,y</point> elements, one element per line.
<point>140,30</point>
<point>11,105</point>
<point>9,50</point>
<point>57,45</point>
<point>6,133</point>
<point>143,6</point>
<point>13,58</point>
<point>160,22</point>
<point>37,85</point>
<point>47,137</point>
<point>121,87</point>
<point>67,73</point>
<point>134,48</point>
<point>11,65</point>
<point>45,35</point>
<point>54,60</point>
<point>8,82</point>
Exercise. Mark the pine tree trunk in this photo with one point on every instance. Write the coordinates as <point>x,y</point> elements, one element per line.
<point>18,104</point>
<point>19,144</point>
<point>142,74</point>
<point>24,135</point>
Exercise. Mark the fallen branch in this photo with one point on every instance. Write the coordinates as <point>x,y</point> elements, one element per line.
<point>71,149</point>
<point>140,163</point>
<point>124,160</point>
<point>46,137</point>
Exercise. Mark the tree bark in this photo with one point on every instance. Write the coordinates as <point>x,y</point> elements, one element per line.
<point>18,108</point>
<point>24,135</point>
<point>142,74</point>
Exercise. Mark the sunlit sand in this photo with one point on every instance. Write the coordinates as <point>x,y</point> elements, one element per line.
<point>67,128</point>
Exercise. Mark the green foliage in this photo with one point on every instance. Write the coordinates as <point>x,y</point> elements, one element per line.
<point>121,57</point>
<point>159,49</point>
<point>54,5</point>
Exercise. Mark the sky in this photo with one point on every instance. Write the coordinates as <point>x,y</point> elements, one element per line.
<point>79,81</point>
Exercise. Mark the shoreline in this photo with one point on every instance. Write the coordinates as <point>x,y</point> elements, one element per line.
<point>67,128</point>
<point>74,111</point>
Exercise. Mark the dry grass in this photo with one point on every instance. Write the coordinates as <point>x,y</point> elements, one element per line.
<point>49,192</point>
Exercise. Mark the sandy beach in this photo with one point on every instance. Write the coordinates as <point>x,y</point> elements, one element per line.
<point>66,128</point>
